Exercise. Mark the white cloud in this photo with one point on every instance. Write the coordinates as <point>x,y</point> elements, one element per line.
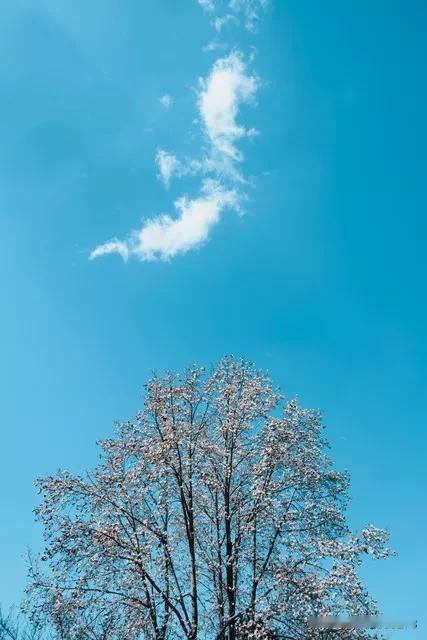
<point>248,10</point>
<point>166,101</point>
<point>220,21</point>
<point>168,165</point>
<point>113,246</point>
<point>221,93</point>
<point>215,46</point>
<point>219,97</point>
<point>163,237</point>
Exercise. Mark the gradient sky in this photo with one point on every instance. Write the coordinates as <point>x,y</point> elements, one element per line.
<point>321,281</point>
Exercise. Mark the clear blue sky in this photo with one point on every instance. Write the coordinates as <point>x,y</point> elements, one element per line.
<point>321,281</point>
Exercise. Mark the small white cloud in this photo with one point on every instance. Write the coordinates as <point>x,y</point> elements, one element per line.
<point>164,237</point>
<point>215,46</point>
<point>166,101</point>
<point>220,21</point>
<point>168,165</point>
<point>248,10</point>
<point>113,246</point>
<point>252,132</point>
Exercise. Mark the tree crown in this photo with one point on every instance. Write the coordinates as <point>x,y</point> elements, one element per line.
<point>215,514</point>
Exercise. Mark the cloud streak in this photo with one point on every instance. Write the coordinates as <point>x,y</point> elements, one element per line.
<point>164,237</point>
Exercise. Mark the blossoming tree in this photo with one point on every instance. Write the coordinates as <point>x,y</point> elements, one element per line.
<point>214,515</point>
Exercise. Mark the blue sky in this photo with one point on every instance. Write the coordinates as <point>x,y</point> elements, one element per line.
<point>314,267</point>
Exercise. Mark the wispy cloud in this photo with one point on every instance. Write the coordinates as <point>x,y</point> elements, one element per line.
<point>168,165</point>
<point>113,246</point>
<point>163,237</point>
<point>215,45</point>
<point>208,5</point>
<point>220,21</point>
<point>166,101</point>
<point>248,11</point>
